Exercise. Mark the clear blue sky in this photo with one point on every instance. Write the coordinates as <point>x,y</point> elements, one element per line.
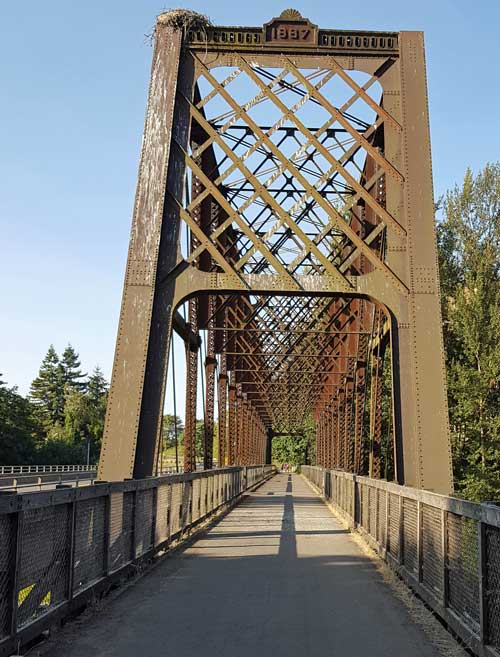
<point>73,85</point>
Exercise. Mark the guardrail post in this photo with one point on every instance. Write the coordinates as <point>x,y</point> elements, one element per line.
<point>400,530</point>
<point>71,548</point>
<point>483,584</point>
<point>135,511</point>
<point>444,552</point>
<point>355,505</point>
<point>154,511</point>
<point>14,579</point>
<point>419,541</point>
<point>387,520</point>
<point>107,532</point>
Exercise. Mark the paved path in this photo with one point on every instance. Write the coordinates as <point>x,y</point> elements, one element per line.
<point>277,577</point>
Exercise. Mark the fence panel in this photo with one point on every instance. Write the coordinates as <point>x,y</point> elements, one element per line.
<point>163,503</point>
<point>121,529</point>
<point>432,553</point>
<point>410,556</point>
<point>7,565</point>
<point>89,560</point>
<point>463,568</point>
<point>394,520</point>
<point>56,546</point>
<point>492,585</point>
<point>43,568</point>
<point>381,507</point>
<point>450,548</point>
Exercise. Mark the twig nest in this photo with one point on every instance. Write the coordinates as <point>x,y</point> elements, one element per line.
<point>184,19</point>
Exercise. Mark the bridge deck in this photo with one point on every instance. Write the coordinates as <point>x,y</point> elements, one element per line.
<point>277,577</point>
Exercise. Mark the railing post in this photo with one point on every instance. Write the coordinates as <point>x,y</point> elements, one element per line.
<point>419,541</point>
<point>71,547</point>
<point>14,579</point>
<point>154,511</point>
<point>444,552</point>
<point>355,505</point>
<point>400,531</point>
<point>107,531</point>
<point>387,520</point>
<point>483,584</point>
<point>135,512</point>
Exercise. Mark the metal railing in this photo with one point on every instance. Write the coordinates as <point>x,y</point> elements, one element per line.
<point>446,549</point>
<point>59,548</point>
<point>41,469</point>
<point>22,482</point>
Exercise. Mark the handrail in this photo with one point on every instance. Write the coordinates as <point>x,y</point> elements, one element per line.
<point>40,469</point>
<point>61,548</point>
<point>445,548</point>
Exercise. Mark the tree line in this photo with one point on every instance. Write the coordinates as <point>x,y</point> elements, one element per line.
<point>60,421</point>
<point>62,418</point>
<point>469,259</point>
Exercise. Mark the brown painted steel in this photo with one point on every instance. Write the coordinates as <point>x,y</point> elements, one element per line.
<point>311,248</point>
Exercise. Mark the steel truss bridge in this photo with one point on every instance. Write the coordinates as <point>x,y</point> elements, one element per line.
<point>284,210</point>
<point>283,230</point>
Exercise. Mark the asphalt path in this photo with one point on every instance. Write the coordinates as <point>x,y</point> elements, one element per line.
<point>278,576</point>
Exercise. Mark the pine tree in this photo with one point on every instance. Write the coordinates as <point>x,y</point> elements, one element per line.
<point>97,386</point>
<point>47,390</point>
<point>70,368</point>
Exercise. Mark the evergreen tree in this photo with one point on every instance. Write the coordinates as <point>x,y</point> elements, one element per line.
<point>97,386</point>
<point>47,390</point>
<point>71,373</point>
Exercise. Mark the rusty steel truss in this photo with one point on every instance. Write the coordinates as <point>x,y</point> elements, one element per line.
<point>285,201</point>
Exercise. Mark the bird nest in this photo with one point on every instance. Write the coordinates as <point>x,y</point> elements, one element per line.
<point>185,20</point>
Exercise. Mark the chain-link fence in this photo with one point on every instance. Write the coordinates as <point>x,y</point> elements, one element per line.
<point>446,549</point>
<point>60,548</point>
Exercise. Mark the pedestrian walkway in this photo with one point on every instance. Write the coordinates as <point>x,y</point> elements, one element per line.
<point>277,577</point>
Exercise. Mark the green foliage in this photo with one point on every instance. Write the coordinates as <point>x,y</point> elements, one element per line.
<point>47,390</point>
<point>172,426</point>
<point>19,429</point>
<point>298,449</point>
<point>71,374</point>
<point>84,419</point>
<point>469,253</point>
<point>62,421</point>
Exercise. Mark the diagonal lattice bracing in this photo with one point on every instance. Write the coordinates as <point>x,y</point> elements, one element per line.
<point>285,200</point>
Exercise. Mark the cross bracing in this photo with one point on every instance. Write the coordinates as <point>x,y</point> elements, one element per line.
<point>285,203</point>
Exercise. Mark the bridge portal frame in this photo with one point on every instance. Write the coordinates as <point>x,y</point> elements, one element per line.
<point>405,281</point>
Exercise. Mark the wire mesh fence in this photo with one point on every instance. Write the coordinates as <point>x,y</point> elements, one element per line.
<point>59,548</point>
<point>446,549</point>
